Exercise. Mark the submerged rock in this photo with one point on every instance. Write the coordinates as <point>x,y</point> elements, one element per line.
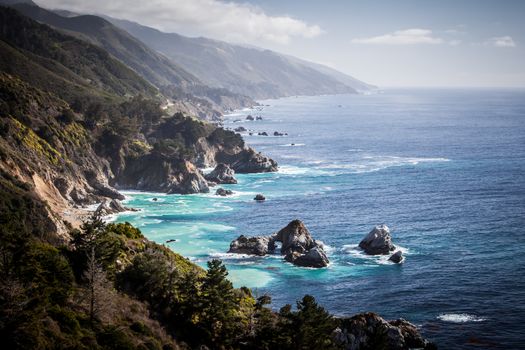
<point>222,192</point>
<point>359,332</point>
<point>222,174</point>
<point>264,133</point>
<point>240,129</point>
<point>258,118</point>
<point>378,241</point>
<point>397,257</point>
<point>249,117</point>
<point>298,246</point>
<point>276,133</point>
<point>259,198</point>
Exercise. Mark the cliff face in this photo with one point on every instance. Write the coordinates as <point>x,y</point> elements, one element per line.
<point>42,145</point>
<point>174,151</point>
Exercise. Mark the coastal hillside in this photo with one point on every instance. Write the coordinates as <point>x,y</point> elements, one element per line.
<point>77,123</point>
<point>259,73</point>
<point>183,89</point>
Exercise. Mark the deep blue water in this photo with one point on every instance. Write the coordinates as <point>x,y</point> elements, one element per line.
<point>444,169</point>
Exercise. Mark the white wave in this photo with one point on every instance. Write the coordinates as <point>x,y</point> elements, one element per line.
<point>235,256</point>
<point>295,170</point>
<point>230,256</point>
<point>207,170</point>
<point>137,192</point>
<point>356,252</point>
<point>376,163</point>
<point>460,318</point>
<point>293,145</point>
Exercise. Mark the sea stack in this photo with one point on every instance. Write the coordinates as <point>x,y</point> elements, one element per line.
<point>378,241</point>
<point>298,246</point>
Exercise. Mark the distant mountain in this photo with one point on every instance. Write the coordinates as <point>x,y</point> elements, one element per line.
<point>154,67</point>
<point>256,72</point>
<point>174,81</point>
<point>73,69</point>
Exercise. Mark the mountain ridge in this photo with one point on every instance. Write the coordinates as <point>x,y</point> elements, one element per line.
<point>186,90</point>
<point>260,73</point>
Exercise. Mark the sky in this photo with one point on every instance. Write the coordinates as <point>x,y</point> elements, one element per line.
<point>403,43</point>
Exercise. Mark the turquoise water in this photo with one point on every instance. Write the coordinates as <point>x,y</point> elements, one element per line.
<point>444,169</point>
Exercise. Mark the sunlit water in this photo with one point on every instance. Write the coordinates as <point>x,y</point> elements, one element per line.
<point>445,170</point>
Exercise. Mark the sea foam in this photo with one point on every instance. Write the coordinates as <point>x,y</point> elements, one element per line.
<point>460,318</point>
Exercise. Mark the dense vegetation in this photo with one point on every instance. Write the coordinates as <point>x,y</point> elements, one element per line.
<point>109,287</point>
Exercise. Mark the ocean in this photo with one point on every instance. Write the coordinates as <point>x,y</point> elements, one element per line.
<point>444,169</point>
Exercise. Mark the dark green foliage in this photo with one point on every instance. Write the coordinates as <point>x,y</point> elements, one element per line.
<point>226,137</point>
<point>22,214</point>
<point>313,325</point>
<point>219,305</point>
<point>125,229</point>
<point>148,278</point>
<point>94,236</point>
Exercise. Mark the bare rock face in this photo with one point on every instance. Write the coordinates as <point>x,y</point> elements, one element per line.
<point>222,174</point>
<point>315,257</point>
<point>298,246</point>
<point>397,257</point>
<point>295,237</point>
<point>155,172</point>
<point>111,207</point>
<point>378,241</point>
<point>361,331</point>
<point>249,161</point>
<point>259,245</point>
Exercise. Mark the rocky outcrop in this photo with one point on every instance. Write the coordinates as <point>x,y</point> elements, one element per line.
<point>108,207</point>
<point>397,257</point>
<point>249,161</point>
<point>259,197</point>
<point>259,245</point>
<point>222,174</point>
<point>315,257</point>
<point>378,241</point>
<point>155,172</point>
<point>297,246</point>
<point>222,192</point>
<point>370,331</point>
<point>240,129</point>
<point>250,117</point>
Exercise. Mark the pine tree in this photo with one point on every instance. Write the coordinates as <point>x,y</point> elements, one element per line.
<point>99,291</point>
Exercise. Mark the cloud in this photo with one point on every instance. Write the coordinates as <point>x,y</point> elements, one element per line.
<point>500,41</point>
<point>412,36</point>
<point>231,21</point>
